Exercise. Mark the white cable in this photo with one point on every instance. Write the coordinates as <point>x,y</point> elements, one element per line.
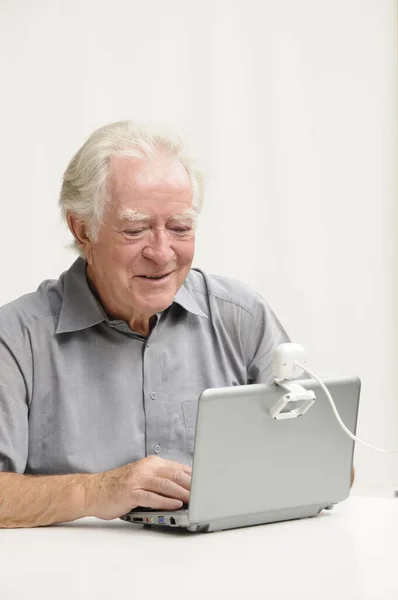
<point>336,414</point>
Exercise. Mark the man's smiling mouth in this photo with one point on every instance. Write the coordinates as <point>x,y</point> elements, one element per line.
<point>155,277</point>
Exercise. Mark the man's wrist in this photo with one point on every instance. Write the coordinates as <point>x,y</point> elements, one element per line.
<point>87,493</point>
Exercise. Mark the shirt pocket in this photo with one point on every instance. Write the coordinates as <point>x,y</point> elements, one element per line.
<point>190,411</point>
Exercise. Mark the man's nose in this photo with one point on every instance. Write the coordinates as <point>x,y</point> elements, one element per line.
<point>159,249</point>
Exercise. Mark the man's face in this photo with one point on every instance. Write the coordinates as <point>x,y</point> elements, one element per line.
<point>146,243</point>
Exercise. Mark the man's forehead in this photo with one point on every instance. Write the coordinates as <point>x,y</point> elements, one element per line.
<point>128,171</point>
<point>134,188</point>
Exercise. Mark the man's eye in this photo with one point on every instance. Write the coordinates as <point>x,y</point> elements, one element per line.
<point>181,230</point>
<point>133,232</point>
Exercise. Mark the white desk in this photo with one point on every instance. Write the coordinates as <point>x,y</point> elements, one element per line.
<point>350,553</point>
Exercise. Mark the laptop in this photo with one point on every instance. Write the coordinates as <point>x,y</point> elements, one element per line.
<point>251,469</point>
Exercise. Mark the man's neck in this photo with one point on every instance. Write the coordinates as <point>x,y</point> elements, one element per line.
<point>142,326</point>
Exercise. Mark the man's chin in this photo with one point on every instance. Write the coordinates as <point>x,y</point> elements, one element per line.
<point>152,308</point>
<point>156,298</point>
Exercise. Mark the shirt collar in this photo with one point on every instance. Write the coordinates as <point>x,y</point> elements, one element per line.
<point>186,299</point>
<point>80,308</point>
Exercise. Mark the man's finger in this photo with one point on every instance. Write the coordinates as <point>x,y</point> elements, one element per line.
<point>166,487</point>
<point>179,477</point>
<point>182,479</point>
<point>152,500</point>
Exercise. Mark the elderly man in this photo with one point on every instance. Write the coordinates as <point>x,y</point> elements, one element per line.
<point>100,371</point>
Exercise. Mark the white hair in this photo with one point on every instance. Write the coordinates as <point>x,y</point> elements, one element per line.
<point>83,191</point>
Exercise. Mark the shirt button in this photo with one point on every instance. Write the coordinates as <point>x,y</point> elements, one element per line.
<point>154,395</point>
<point>156,449</point>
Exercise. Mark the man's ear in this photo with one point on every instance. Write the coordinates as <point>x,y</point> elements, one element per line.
<point>79,232</point>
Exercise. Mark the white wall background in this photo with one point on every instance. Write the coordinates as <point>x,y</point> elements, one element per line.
<point>291,106</point>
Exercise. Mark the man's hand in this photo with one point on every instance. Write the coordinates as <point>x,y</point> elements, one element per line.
<point>151,482</point>
<point>352,476</point>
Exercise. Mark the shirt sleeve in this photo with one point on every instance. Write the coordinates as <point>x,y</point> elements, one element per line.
<point>13,410</point>
<point>264,335</point>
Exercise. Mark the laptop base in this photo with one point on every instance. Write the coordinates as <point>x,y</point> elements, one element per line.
<point>180,518</point>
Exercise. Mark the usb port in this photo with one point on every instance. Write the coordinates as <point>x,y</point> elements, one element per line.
<point>161,520</point>
<point>138,519</point>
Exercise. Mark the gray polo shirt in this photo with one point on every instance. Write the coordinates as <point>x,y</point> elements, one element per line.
<point>80,392</point>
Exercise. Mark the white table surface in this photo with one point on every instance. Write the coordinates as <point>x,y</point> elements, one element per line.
<point>349,553</point>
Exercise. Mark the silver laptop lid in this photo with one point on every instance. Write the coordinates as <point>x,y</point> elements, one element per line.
<point>246,462</point>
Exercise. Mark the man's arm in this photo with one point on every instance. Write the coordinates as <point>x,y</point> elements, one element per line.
<point>27,500</point>
<point>263,333</point>
<point>31,500</point>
